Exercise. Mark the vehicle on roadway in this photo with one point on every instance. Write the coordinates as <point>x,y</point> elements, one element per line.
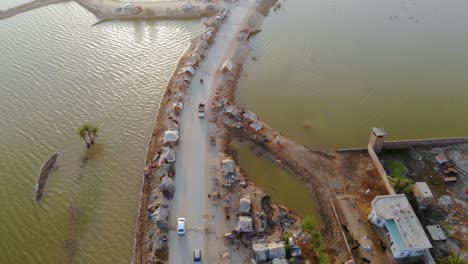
<point>201,110</point>
<point>181,226</point>
<point>197,256</point>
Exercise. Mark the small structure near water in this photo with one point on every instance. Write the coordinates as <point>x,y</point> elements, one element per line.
<point>44,175</point>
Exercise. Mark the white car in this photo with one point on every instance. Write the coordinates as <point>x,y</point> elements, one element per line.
<point>181,226</point>
<point>197,256</point>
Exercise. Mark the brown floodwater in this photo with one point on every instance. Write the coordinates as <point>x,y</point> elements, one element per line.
<point>283,187</point>
<point>346,66</point>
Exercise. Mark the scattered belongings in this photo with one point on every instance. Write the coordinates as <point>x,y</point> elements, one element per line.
<point>436,232</point>
<point>44,175</point>
<point>296,251</point>
<point>227,66</point>
<point>244,224</point>
<point>170,136</point>
<point>213,139</point>
<point>167,187</point>
<point>244,205</point>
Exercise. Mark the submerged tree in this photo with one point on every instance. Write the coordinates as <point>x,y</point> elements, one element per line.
<point>88,133</point>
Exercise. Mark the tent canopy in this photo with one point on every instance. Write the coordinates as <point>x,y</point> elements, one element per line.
<point>228,166</point>
<point>244,205</point>
<point>170,136</point>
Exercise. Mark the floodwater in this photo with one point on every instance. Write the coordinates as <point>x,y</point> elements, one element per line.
<point>56,73</point>
<point>6,4</point>
<point>283,187</point>
<point>346,66</point>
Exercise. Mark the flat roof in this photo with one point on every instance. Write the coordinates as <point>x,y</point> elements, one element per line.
<point>397,208</point>
<point>436,232</point>
<point>380,132</point>
<point>423,188</point>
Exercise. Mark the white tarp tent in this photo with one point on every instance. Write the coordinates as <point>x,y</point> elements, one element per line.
<point>228,166</point>
<point>167,154</point>
<point>244,204</point>
<point>227,66</point>
<point>170,136</point>
<point>188,69</point>
<point>244,224</point>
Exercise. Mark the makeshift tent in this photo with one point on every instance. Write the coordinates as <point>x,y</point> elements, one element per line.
<point>200,51</point>
<point>251,116</point>
<point>167,154</point>
<point>276,250</point>
<point>228,166</point>
<point>244,224</point>
<point>193,60</point>
<point>188,70</point>
<point>167,187</point>
<point>173,126</point>
<point>161,215</point>
<point>232,109</point>
<point>204,43</point>
<point>257,125</point>
<point>227,66</point>
<point>244,205</point>
<point>260,251</point>
<point>170,136</point>
<point>178,105</point>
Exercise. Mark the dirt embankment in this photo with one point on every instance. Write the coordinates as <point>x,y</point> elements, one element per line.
<point>28,7</point>
<point>325,174</point>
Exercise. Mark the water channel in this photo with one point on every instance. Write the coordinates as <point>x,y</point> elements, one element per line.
<point>57,72</point>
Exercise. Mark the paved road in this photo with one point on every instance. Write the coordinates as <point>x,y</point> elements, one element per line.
<point>193,153</point>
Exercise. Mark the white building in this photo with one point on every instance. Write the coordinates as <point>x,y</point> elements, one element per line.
<point>423,195</point>
<point>395,215</point>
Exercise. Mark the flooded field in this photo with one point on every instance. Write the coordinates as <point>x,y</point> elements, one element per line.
<point>341,67</point>
<point>58,72</point>
<point>283,187</point>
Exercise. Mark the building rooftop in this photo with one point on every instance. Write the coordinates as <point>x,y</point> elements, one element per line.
<point>424,189</point>
<point>399,216</point>
<point>380,132</point>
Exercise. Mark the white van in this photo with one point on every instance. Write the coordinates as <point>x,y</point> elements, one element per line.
<point>181,226</point>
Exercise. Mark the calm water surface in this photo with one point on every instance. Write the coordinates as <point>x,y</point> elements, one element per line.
<point>57,72</point>
<point>349,65</point>
<point>283,187</point>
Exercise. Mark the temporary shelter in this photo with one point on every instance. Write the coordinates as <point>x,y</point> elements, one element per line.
<point>227,66</point>
<point>167,187</point>
<point>244,205</point>
<point>245,224</point>
<point>170,136</point>
<point>228,167</point>
<point>260,251</point>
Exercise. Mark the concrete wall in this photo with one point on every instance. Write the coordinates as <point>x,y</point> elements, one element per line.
<point>380,169</point>
<point>433,142</point>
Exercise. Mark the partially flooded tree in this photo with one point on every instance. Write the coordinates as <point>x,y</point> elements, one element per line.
<point>88,133</point>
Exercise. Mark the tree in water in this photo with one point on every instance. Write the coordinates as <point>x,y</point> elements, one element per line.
<point>88,133</point>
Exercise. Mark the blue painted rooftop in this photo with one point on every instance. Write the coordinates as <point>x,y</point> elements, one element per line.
<point>395,234</point>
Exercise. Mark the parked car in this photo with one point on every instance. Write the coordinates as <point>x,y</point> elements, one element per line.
<point>181,226</point>
<point>197,256</point>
